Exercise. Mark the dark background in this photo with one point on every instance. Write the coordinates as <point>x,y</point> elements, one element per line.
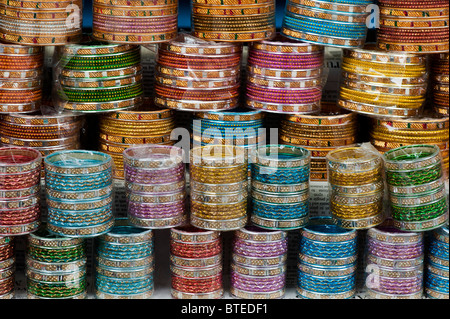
<point>184,17</point>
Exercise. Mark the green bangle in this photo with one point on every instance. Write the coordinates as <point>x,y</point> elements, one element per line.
<point>414,177</point>
<point>419,213</point>
<point>60,290</point>
<point>101,95</point>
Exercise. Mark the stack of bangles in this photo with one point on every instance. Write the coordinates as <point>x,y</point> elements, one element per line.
<point>383,84</point>
<point>21,69</point>
<point>99,77</point>
<point>196,263</point>
<point>46,133</point>
<point>55,266</point>
<point>123,129</point>
<point>258,266</point>
<point>280,187</point>
<point>135,21</point>
<point>338,23</point>
<point>155,186</point>
<point>327,261</point>
<point>284,76</point>
<point>396,262</point>
<point>125,263</point>
<point>233,20</point>
<point>219,187</point>
<point>41,22</point>
<point>7,268</point>
<point>355,176</point>
<point>440,81</point>
<point>20,181</point>
<point>416,185</point>
<point>195,75</point>
<point>387,134</point>
<point>319,133</point>
<point>436,279</point>
<point>414,26</point>
<point>238,128</point>
<point>79,193</point>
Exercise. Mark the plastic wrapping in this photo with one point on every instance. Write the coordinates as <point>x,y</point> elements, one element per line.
<point>440,80</point>
<point>233,21</point>
<point>21,69</point>
<point>20,177</point>
<point>125,263</point>
<point>55,266</point>
<point>197,75</point>
<point>46,23</point>
<point>383,84</point>
<point>319,133</point>
<point>430,128</point>
<point>332,23</point>
<point>326,261</point>
<point>416,187</point>
<point>395,263</point>
<point>7,268</point>
<point>436,278</point>
<point>267,279</point>
<point>355,176</point>
<point>280,187</point>
<point>137,22</point>
<point>216,206</point>
<point>96,77</point>
<point>130,128</point>
<point>284,76</point>
<point>412,26</point>
<point>147,168</point>
<point>196,263</point>
<point>79,193</point>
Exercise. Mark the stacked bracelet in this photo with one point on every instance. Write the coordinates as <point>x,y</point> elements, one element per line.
<point>46,133</point>
<point>7,268</point>
<point>387,134</point>
<point>20,78</point>
<point>138,22</point>
<point>194,75</point>
<point>332,23</point>
<point>280,187</point>
<point>97,77</point>
<point>395,260</point>
<point>148,168</point>
<point>219,175</point>
<point>440,81</point>
<point>125,263</point>
<point>320,134</point>
<point>436,271</point>
<point>79,193</point>
<point>382,84</point>
<point>20,179</point>
<point>411,27</point>
<point>238,128</point>
<point>195,263</point>
<point>123,129</point>
<point>41,22</point>
<point>355,174</point>
<point>233,21</point>
<point>284,76</point>
<point>55,266</point>
<point>266,280</point>
<point>326,261</point>
<point>416,187</point>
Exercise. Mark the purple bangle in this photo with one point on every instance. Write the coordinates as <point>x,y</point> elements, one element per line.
<point>259,249</point>
<point>400,286</point>
<point>286,61</point>
<point>393,251</point>
<point>257,283</point>
<point>154,176</point>
<point>157,211</point>
<point>305,96</point>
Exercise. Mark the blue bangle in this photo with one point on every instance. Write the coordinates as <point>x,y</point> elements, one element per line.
<point>325,285</point>
<point>120,286</point>
<point>280,211</point>
<point>274,175</point>
<point>81,218</point>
